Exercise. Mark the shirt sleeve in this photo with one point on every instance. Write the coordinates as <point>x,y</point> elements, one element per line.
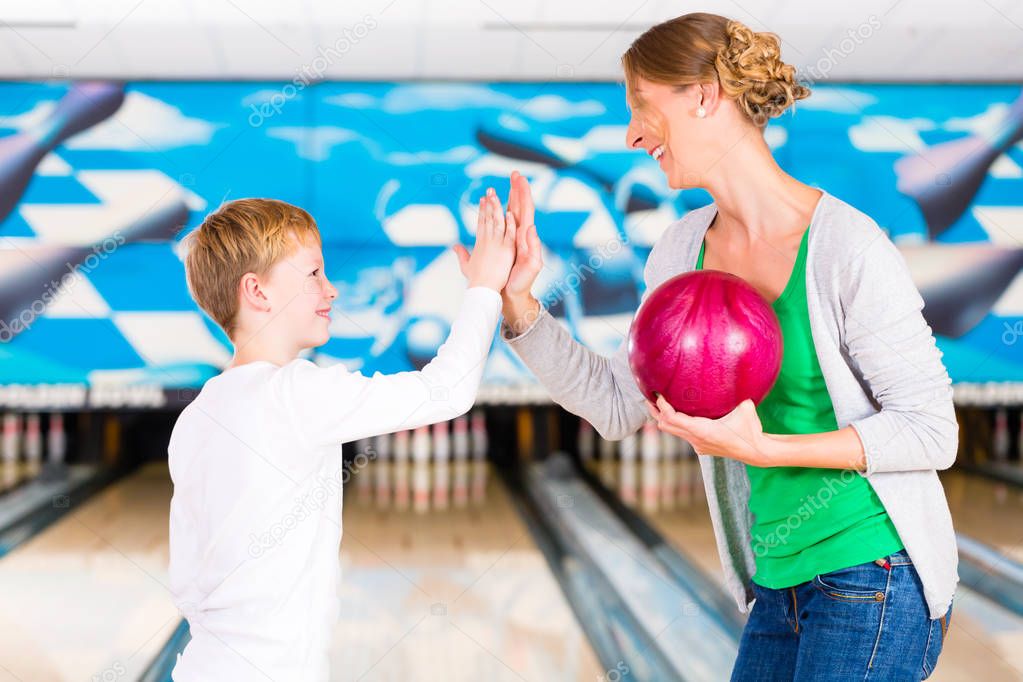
<point>891,347</point>
<point>334,405</point>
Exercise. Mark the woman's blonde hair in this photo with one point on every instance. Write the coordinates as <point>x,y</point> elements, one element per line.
<point>245,235</point>
<point>703,48</point>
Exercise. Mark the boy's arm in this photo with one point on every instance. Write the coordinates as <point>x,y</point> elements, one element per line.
<point>334,405</point>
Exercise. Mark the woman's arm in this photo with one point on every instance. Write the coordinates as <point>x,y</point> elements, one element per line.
<point>601,390</point>
<point>840,449</point>
<point>891,346</point>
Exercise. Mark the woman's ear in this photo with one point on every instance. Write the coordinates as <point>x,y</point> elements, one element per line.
<point>710,94</point>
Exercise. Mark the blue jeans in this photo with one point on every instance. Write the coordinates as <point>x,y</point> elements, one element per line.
<point>866,622</point>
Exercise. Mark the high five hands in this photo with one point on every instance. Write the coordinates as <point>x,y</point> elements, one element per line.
<point>508,257</point>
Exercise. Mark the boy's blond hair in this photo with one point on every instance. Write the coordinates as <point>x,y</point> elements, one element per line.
<point>245,235</point>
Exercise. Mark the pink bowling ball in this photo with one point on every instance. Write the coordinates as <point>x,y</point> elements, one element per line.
<point>706,340</point>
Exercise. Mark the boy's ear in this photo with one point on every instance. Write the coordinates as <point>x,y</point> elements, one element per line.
<point>252,293</point>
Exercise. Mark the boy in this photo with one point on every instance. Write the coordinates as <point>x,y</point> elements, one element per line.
<point>260,446</point>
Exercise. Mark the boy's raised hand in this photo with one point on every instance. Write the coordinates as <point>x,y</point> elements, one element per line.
<point>494,253</point>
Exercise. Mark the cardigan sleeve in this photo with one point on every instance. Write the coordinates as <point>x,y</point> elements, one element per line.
<point>893,350</point>
<point>601,390</point>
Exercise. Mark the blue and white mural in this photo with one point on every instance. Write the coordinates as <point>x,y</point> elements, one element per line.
<point>100,181</point>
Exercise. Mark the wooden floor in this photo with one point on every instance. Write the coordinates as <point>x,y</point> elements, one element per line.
<point>456,593</point>
<point>449,585</point>
<point>985,640</point>
<point>87,598</point>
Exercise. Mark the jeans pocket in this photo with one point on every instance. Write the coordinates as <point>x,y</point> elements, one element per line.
<point>936,642</point>
<point>864,583</point>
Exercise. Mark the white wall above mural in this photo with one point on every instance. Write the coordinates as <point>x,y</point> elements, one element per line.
<point>566,40</point>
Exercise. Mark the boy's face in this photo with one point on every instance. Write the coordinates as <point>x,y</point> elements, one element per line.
<point>301,295</point>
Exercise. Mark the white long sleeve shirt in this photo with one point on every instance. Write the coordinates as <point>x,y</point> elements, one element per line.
<point>255,520</point>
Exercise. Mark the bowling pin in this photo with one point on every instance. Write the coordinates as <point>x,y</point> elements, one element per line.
<point>56,441</point>
<point>628,448</point>
<point>33,439</point>
<point>650,485</point>
<point>669,482</point>
<point>586,438</point>
<point>441,442</point>
<point>400,472</point>
<point>480,444</point>
<point>944,178</point>
<point>420,485</point>
<point>421,444</point>
<point>479,482</point>
<point>441,484</point>
<point>10,446</point>
<point>669,446</point>
<point>382,483</point>
<point>382,445</point>
<point>460,439</point>
<point>460,492</point>
<point>83,106</point>
<point>627,481</point>
<point>401,446</point>
<point>650,442</point>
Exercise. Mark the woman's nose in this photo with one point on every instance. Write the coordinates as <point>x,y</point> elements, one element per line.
<point>633,138</point>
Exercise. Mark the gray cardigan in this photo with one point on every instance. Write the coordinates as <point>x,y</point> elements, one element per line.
<point>880,362</point>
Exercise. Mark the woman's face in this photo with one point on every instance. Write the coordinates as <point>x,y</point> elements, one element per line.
<point>664,123</point>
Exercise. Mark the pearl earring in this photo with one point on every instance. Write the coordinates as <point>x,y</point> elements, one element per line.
<point>701,112</point>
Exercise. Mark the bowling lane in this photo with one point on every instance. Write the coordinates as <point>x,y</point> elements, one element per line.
<point>985,639</point>
<point>441,580</point>
<point>87,597</point>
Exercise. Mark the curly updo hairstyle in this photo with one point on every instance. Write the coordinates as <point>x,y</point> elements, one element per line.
<point>703,48</point>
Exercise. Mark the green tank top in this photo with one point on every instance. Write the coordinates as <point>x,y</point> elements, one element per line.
<point>808,521</point>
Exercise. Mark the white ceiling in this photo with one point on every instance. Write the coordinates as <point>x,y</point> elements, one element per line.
<point>895,40</point>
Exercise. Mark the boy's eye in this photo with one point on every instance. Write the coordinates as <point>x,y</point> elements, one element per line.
<point>313,273</point>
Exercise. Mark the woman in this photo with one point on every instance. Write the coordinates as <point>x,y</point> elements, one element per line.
<point>826,504</point>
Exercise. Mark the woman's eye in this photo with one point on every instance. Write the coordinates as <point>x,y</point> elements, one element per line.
<point>313,273</point>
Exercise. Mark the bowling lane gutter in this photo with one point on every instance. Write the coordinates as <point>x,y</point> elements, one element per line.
<point>31,508</point>
<point>711,597</point>
<point>159,669</point>
<point>613,630</point>
<point>635,609</point>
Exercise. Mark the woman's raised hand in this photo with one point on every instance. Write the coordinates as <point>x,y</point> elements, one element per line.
<point>520,309</point>
<point>528,254</point>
